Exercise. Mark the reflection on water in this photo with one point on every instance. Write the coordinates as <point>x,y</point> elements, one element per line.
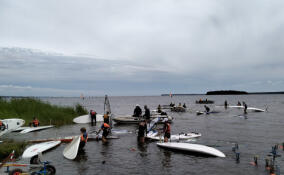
<point>166,161</point>
<point>82,158</point>
<point>142,147</point>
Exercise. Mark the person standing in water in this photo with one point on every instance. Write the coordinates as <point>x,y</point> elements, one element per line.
<point>84,138</point>
<point>142,130</point>
<point>245,108</point>
<point>167,131</point>
<point>159,109</point>
<point>137,111</point>
<point>93,115</point>
<point>225,104</point>
<point>106,129</point>
<point>147,114</point>
<point>207,108</point>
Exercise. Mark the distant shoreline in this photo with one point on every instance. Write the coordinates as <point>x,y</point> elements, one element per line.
<point>217,93</point>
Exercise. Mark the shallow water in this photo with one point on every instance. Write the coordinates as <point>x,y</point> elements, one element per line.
<point>255,135</point>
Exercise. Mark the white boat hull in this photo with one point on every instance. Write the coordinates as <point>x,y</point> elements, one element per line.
<point>32,129</point>
<point>71,150</point>
<point>10,125</point>
<point>39,148</point>
<point>87,119</point>
<point>197,148</point>
<point>175,137</point>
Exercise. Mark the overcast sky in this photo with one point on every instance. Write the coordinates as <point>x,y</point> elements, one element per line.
<point>140,47</point>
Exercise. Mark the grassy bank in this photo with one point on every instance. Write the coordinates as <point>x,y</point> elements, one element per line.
<point>27,108</point>
<point>7,147</point>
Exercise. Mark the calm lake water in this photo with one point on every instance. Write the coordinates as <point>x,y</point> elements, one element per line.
<point>255,135</point>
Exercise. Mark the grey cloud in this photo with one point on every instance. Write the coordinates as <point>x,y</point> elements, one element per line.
<point>226,44</point>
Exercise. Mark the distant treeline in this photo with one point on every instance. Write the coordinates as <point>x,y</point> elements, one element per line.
<point>226,92</point>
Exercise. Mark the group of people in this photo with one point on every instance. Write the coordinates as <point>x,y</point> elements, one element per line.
<point>238,104</point>
<point>179,105</point>
<point>142,131</point>
<point>105,128</point>
<point>138,112</point>
<point>93,115</point>
<point>142,127</point>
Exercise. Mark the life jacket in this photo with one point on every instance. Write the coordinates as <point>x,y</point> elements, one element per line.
<point>105,125</point>
<point>1,123</point>
<point>36,122</point>
<point>84,137</point>
<point>168,129</point>
<point>93,113</point>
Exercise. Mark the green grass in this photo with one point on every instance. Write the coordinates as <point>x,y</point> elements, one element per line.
<point>28,108</point>
<point>7,147</point>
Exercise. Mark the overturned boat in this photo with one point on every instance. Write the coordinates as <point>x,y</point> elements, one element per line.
<point>136,120</point>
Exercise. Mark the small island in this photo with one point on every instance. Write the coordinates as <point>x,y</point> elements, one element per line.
<point>226,92</point>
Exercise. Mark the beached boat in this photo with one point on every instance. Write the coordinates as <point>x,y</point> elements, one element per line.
<point>135,120</point>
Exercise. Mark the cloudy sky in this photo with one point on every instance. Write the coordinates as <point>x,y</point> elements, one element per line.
<point>140,47</point>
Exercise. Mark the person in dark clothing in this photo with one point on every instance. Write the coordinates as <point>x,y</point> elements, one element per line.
<point>137,111</point>
<point>207,108</point>
<point>167,131</point>
<point>147,113</point>
<point>159,109</point>
<point>184,105</point>
<point>245,108</point>
<point>163,113</point>
<point>93,115</point>
<point>142,130</point>
<point>225,104</point>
